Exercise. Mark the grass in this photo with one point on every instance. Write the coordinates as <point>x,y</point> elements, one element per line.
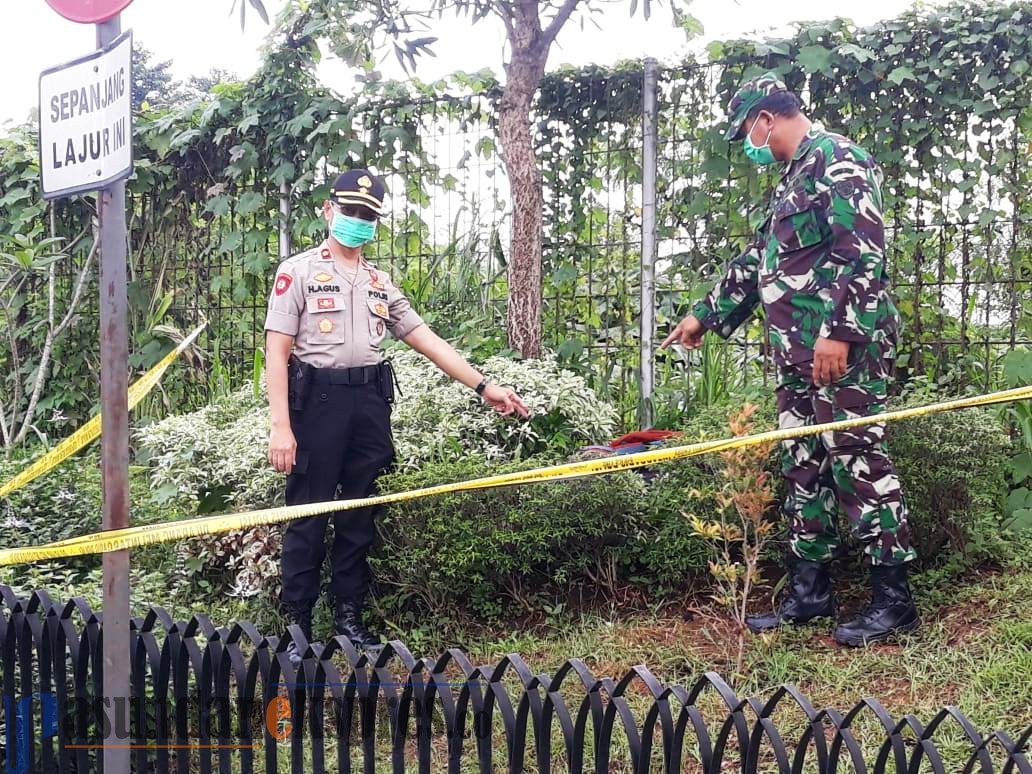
<point>974,652</point>
<point>978,619</point>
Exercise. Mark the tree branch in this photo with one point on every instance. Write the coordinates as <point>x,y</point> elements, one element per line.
<point>10,278</point>
<point>5,434</point>
<point>52,334</point>
<point>80,283</point>
<point>15,354</point>
<point>530,13</point>
<point>504,11</point>
<point>13,344</point>
<point>562,16</point>
<point>78,238</point>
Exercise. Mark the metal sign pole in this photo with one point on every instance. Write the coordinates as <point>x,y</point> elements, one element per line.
<point>114,385</point>
<point>649,155</point>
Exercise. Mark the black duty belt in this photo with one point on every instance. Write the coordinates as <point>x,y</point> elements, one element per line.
<point>357,375</point>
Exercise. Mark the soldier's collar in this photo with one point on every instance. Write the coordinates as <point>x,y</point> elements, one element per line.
<point>808,138</point>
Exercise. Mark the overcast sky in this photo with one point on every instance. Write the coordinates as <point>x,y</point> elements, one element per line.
<point>198,35</point>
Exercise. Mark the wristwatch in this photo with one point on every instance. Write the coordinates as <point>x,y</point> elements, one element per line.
<point>482,386</point>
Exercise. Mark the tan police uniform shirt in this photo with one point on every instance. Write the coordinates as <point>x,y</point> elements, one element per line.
<point>338,318</point>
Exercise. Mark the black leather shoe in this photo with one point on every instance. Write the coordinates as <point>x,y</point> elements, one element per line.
<point>892,609</point>
<point>300,613</point>
<point>347,620</point>
<point>809,596</point>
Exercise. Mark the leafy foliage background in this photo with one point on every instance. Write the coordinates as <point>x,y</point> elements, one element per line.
<point>938,95</point>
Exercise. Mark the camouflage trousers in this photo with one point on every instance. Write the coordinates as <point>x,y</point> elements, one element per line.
<point>850,469</point>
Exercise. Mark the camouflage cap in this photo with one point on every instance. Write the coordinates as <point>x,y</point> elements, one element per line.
<point>747,97</point>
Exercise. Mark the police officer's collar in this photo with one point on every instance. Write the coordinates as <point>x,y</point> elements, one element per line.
<point>322,253</point>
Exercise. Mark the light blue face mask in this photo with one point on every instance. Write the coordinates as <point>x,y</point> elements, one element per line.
<point>351,231</point>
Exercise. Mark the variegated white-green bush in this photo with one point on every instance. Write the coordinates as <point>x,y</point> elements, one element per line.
<point>222,447</point>
<point>439,419</point>
<point>216,456</point>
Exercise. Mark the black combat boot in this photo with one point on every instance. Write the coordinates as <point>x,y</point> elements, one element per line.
<point>809,596</point>
<point>892,609</point>
<point>300,613</point>
<point>347,620</point>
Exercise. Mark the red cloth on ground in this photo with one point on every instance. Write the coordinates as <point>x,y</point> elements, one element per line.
<point>643,436</point>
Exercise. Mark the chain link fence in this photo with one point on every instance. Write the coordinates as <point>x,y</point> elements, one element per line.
<point>958,244</point>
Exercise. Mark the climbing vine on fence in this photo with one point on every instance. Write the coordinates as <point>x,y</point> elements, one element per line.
<point>940,96</point>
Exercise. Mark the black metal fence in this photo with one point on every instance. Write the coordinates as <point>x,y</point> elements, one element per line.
<point>207,698</point>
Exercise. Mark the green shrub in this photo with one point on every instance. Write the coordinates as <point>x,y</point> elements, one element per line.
<point>488,552</point>
<point>214,458</point>
<point>500,550</point>
<point>440,419</point>
<point>953,468</point>
<point>58,505</point>
<point>495,550</point>
<point>669,551</point>
<point>64,503</point>
<point>491,551</point>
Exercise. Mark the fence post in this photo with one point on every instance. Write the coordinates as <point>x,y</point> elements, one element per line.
<point>649,154</point>
<point>284,220</point>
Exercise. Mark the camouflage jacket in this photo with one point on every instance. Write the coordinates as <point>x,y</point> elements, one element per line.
<point>817,262</point>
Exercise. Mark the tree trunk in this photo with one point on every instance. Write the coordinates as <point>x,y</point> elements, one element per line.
<point>523,76</point>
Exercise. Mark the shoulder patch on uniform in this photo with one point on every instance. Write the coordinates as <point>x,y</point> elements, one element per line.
<point>845,188</point>
<point>283,283</point>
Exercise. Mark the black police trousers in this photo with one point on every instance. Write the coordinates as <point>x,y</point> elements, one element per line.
<point>343,444</point>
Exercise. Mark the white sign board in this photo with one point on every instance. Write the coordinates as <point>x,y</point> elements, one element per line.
<point>85,120</point>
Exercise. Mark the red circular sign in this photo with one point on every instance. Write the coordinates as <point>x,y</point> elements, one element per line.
<point>88,11</point>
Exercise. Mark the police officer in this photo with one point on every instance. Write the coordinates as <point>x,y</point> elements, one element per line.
<point>330,395</point>
<point>817,266</point>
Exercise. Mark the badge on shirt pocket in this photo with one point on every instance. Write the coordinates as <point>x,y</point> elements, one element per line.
<point>379,316</point>
<point>327,303</point>
<point>325,319</point>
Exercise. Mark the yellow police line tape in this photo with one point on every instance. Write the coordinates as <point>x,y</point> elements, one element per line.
<point>91,430</point>
<point>116,540</point>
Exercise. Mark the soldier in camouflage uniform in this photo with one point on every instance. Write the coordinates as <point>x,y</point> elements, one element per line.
<point>817,266</point>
